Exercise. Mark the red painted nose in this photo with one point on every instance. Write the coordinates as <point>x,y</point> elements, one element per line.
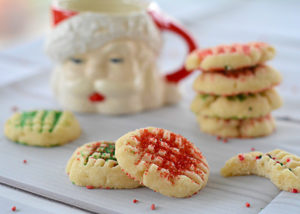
<point>96,97</point>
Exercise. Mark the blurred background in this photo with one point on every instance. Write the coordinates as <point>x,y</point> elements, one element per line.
<point>24,24</point>
<point>22,20</point>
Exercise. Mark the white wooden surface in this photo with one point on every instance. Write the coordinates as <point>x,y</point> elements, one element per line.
<point>44,174</point>
<point>27,203</point>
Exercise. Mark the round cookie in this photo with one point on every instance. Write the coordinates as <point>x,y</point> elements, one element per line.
<point>230,57</point>
<point>237,107</point>
<point>248,80</point>
<point>42,128</point>
<point>163,161</point>
<point>94,165</point>
<point>249,128</point>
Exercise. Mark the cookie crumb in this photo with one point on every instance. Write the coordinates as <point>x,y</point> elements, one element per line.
<point>241,157</point>
<point>135,201</point>
<point>248,205</point>
<point>152,207</point>
<point>13,208</point>
<point>24,161</point>
<point>295,191</point>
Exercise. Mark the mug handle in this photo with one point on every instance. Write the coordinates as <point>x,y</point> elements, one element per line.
<point>165,23</point>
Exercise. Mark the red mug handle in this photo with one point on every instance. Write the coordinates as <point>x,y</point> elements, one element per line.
<point>164,22</point>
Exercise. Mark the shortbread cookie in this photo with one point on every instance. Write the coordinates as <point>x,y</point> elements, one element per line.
<point>281,167</point>
<point>230,57</point>
<point>229,83</point>
<point>42,128</point>
<point>94,165</point>
<point>248,128</point>
<point>237,107</point>
<point>163,161</point>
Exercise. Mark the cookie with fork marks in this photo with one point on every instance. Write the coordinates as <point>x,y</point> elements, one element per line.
<point>94,165</point>
<point>42,128</point>
<point>230,57</point>
<point>281,167</point>
<point>163,161</point>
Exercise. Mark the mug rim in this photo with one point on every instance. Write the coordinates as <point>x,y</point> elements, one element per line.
<point>143,6</point>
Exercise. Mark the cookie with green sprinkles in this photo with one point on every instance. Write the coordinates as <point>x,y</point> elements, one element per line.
<point>281,167</point>
<point>42,128</point>
<point>94,165</point>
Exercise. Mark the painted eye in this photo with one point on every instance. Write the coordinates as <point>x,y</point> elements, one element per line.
<point>117,60</point>
<point>76,60</point>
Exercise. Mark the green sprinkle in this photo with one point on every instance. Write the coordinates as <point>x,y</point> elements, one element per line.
<point>204,96</point>
<point>227,67</point>
<point>290,169</point>
<point>241,97</point>
<point>73,182</point>
<point>56,120</point>
<point>281,164</point>
<point>250,108</point>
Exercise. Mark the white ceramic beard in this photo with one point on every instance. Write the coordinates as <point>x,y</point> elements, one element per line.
<point>124,71</point>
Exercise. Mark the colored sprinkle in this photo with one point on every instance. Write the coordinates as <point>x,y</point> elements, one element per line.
<point>274,158</point>
<point>258,157</point>
<point>13,208</point>
<point>225,140</point>
<point>25,161</point>
<point>135,201</point>
<point>241,157</point>
<point>295,191</point>
<point>248,205</point>
<point>152,207</point>
<point>288,160</point>
<point>252,149</point>
<point>90,187</point>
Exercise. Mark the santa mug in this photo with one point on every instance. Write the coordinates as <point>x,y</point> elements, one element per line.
<point>106,56</point>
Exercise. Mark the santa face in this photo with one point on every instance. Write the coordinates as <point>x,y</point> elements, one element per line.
<point>120,77</point>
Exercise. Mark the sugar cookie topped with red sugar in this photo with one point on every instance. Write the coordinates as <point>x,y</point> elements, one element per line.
<point>163,161</point>
<point>230,57</point>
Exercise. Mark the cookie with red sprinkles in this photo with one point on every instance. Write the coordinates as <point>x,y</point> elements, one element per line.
<point>243,81</point>
<point>281,167</point>
<point>230,57</point>
<point>94,165</point>
<point>163,161</point>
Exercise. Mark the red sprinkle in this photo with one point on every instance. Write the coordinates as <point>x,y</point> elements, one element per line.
<point>288,160</point>
<point>90,187</point>
<point>252,149</point>
<point>219,138</point>
<point>135,201</point>
<point>13,208</point>
<point>247,205</point>
<point>241,157</point>
<point>14,108</point>
<point>295,191</point>
<point>225,140</point>
<point>25,161</point>
<point>152,207</point>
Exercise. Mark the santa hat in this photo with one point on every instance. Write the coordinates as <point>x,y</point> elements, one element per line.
<point>88,31</point>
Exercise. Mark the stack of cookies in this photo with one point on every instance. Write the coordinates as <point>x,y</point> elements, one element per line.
<point>235,91</point>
